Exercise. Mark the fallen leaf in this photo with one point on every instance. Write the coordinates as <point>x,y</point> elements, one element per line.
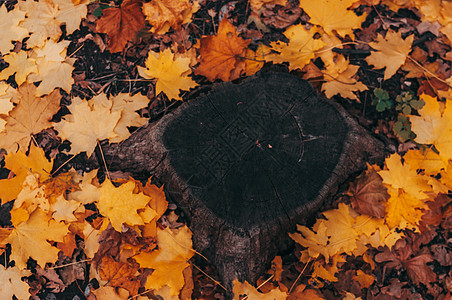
<point>121,24</point>
<point>434,127</point>
<point>120,205</point>
<point>222,56</point>
<point>300,49</point>
<point>20,164</point>
<point>391,53</point>
<point>44,19</point>
<point>302,293</point>
<point>111,293</point>
<point>128,105</point>
<point>31,115</point>
<point>165,14</point>
<point>339,80</point>
<point>256,5</point>
<point>333,16</point>
<point>169,261</point>
<point>368,194</point>
<point>12,283</point>
<point>29,239</point>
<point>119,274</point>
<point>20,65</point>
<point>10,31</point>
<point>89,122</point>
<point>246,290</point>
<point>89,189</point>
<point>364,280</point>
<point>169,71</point>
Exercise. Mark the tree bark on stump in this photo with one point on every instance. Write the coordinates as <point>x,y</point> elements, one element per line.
<point>248,162</point>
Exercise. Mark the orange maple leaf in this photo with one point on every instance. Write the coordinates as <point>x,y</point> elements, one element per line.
<point>121,24</point>
<point>242,289</point>
<point>222,55</point>
<point>119,274</point>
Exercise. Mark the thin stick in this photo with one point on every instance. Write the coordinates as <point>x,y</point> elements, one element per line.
<point>69,264</point>
<point>63,164</point>
<point>207,275</point>
<point>302,271</point>
<point>103,159</point>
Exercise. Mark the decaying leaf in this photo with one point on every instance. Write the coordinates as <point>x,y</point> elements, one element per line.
<point>121,24</point>
<point>368,194</point>
<point>222,55</point>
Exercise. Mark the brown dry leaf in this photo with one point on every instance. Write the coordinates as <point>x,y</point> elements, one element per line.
<point>391,53</point>
<point>31,115</point>
<point>166,14</point>
<point>256,5</point>
<point>68,245</point>
<point>368,194</point>
<point>364,280</point>
<point>121,24</point>
<point>222,55</point>
<point>119,274</point>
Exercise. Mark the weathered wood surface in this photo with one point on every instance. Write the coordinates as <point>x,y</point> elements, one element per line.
<point>249,161</point>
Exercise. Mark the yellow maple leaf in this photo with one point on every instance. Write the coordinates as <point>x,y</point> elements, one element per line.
<point>89,189</point>
<point>169,261</point>
<point>245,289</point>
<point>19,64</point>
<point>326,271</point>
<point>32,195</point>
<point>403,210</point>
<point>169,71</point>
<point>63,210</point>
<point>30,116</point>
<point>339,80</point>
<point>391,53</point>
<point>300,49</point>
<point>128,105</point>
<point>164,14</point>
<point>6,105</point>
<point>333,15</point>
<point>316,241</point>
<point>45,17</point>
<point>30,239</point>
<point>12,283</point>
<point>429,161</point>
<point>403,176</point>
<point>120,205</point>
<point>53,68</point>
<point>20,164</point>
<point>9,29</point>
<point>434,127</point>
<point>89,122</point>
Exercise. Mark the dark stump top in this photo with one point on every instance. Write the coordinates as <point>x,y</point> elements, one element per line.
<point>265,146</point>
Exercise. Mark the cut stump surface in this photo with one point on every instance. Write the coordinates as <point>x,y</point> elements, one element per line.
<point>249,161</point>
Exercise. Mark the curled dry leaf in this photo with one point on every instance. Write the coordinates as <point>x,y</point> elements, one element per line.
<point>368,194</point>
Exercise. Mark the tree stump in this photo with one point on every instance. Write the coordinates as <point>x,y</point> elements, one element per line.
<point>249,161</point>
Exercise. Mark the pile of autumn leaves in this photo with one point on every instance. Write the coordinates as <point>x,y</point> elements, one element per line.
<point>128,248</point>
